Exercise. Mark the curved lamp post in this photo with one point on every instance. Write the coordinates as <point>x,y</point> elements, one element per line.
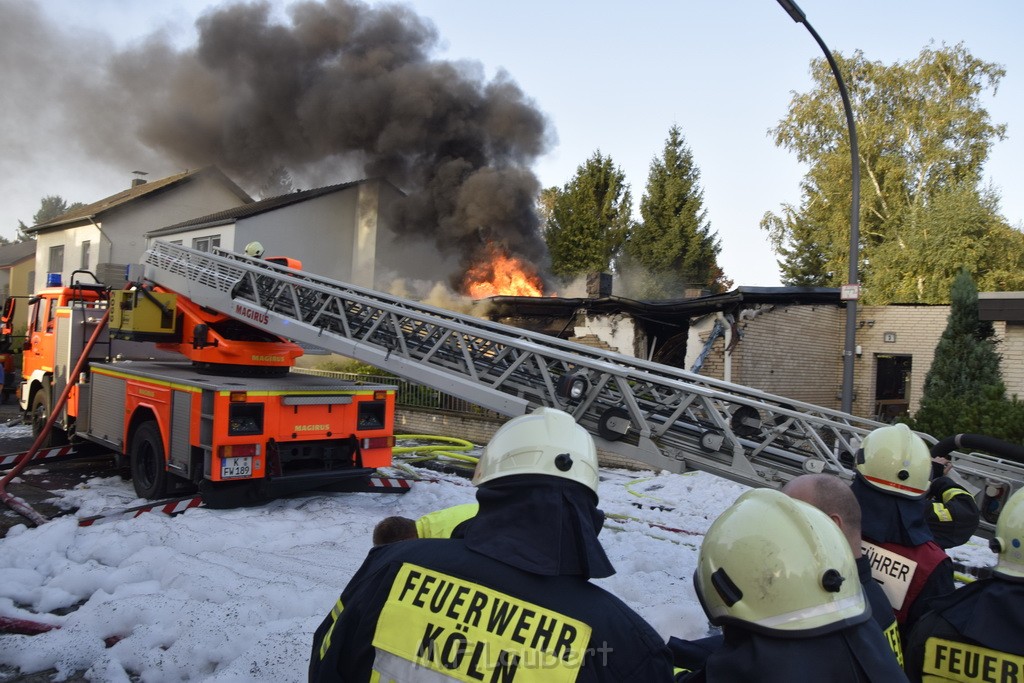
<point>851,291</point>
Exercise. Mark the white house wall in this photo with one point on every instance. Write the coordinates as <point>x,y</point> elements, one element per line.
<point>127,225</point>
<point>71,239</point>
<point>319,232</point>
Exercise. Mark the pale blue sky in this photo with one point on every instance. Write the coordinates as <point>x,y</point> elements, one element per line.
<point>616,76</point>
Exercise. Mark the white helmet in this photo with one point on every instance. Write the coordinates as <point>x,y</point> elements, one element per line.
<point>777,565</point>
<point>546,441</point>
<point>895,460</point>
<point>254,249</point>
<point>1009,538</point>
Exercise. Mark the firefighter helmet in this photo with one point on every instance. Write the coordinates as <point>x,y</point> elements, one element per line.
<point>777,565</point>
<point>254,249</point>
<point>895,460</point>
<point>1009,538</point>
<point>546,441</point>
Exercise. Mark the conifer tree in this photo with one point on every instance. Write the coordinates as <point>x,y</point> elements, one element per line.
<point>673,247</point>
<point>589,219</point>
<point>965,371</point>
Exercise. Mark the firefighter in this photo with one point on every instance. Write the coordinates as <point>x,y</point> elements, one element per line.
<point>780,579</point>
<point>438,524</point>
<point>891,483</point>
<point>831,495</point>
<point>512,596</point>
<point>975,634</point>
<point>953,515</point>
<point>254,249</point>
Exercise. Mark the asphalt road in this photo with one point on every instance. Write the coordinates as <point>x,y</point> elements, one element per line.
<point>33,485</point>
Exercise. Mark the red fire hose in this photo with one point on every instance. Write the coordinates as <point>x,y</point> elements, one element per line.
<point>12,501</point>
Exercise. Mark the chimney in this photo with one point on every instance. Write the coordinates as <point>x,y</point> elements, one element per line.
<point>599,285</point>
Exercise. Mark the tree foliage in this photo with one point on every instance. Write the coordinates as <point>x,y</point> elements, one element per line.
<point>589,219</point>
<point>50,207</point>
<point>673,246</point>
<point>923,139</point>
<point>964,390</point>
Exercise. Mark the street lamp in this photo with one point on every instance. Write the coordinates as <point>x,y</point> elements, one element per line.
<point>851,291</point>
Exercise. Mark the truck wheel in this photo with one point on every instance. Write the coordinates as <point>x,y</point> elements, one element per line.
<point>149,467</point>
<point>40,413</point>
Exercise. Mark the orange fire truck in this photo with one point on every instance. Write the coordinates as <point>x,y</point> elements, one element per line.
<point>230,419</point>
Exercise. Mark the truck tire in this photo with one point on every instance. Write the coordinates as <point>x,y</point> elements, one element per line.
<point>39,412</point>
<point>148,464</point>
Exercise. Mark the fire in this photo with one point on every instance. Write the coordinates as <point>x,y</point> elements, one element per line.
<point>503,275</point>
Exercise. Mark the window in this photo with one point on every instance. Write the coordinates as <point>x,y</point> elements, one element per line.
<point>206,243</point>
<point>86,254</point>
<point>31,286</point>
<point>56,260</point>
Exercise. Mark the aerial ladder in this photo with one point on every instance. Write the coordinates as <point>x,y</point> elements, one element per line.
<point>664,417</point>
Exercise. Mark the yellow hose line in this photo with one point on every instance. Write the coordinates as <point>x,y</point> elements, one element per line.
<point>450,442</point>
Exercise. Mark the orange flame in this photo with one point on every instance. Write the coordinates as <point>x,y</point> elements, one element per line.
<point>503,275</point>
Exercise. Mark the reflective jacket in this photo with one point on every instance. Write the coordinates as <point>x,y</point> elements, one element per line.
<point>854,654</point>
<point>441,523</point>
<point>911,576</point>
<point>881,611</point>
<point>511,601</point>
<point>952,514</point>
<point>974,634</point>
<point>692,655</point>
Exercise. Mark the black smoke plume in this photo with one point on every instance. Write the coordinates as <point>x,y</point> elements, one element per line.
<point>340,86</point>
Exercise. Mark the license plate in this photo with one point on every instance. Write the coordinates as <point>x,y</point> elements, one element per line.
<point>233,468</point>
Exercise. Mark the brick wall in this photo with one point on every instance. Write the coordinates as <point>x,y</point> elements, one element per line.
<point>912,330</point>
<point>1011,348</point>
<point>791,351</point>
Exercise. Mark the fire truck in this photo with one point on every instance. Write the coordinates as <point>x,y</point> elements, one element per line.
<point>658,415</point>
<point>188,398</point>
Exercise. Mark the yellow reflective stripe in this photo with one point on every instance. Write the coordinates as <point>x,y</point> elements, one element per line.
<point>335,613</point>
<point>950,494</point>
<point>892,634</point>
<point>953,661</point>
<point>463,631</point>
<point>941,513</point>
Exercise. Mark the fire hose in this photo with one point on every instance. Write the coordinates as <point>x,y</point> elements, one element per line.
<point>8,498</point>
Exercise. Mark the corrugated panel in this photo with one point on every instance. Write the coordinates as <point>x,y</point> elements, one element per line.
<point>180,413</point>
<point>108,397</point>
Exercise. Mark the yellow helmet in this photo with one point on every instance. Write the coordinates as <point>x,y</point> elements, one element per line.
<point>254,249</point>
<point>895,460</point>
<point>546,441</point>
<point>774,564</point>
<point>1009,538</point>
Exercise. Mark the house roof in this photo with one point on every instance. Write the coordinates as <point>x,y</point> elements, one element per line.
<point>255,208</point>
<point>134,193</point>
<point>667,309</point>
<point>16,252</point>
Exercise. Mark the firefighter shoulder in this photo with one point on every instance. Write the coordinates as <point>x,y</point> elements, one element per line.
<point>780,579</point>
<point>977,632</point>
<point>953,515</point>
<point>442,523</point>
<point>511,600</point>
<point>892,482</point>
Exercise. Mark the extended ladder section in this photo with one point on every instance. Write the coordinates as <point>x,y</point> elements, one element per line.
<point>662,416</point>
